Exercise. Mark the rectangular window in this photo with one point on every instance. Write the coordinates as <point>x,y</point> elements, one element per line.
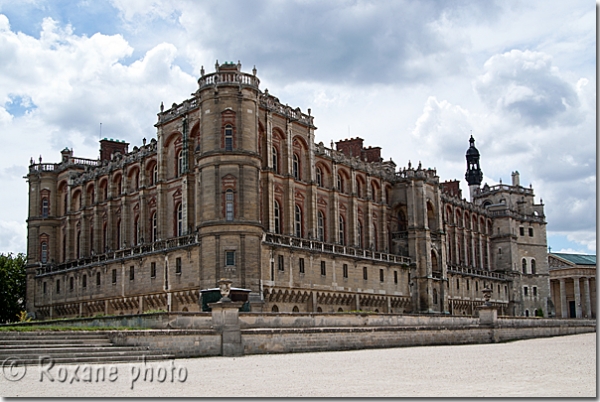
<point>365,273</point>
<point>522,231</point>
<point>71,283</point>
<point>178,265</point>
<point>323,269</point>
<point>467,284</point>
<point>301,265</point>
<point>97,278</point>
<point>131,273</point>
<point>345,270</point>
<point>230,258</point>
<point>84,281</point>
<point>525,291</point>
<point>44,287</point>
<point>381,275</point>
<point>280,263</point>
<point>535,290</point>
<point>58,286</point>
<point>506,290</point>
<point>114,276</point>
<point>530,232</point>
<point>457,284</point>
<point>396,277</point>
<point>152,270</point>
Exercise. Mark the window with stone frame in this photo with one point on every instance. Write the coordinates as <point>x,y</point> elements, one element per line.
<point>276,217</point>
<point>230,258</point>
<point>296,167</point>
<point>298,221</point>
<point>320,226</point>
<point>319,177</point>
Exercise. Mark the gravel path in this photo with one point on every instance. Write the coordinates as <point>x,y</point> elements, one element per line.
<point>546,367</point>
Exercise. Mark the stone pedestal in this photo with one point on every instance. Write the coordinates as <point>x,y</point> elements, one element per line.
<point>225,318</point>
<point>488,315</point>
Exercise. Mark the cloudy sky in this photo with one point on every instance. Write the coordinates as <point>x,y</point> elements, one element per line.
<point>414,77</point>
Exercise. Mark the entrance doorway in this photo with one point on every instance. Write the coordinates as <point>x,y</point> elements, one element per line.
<point>572,313</point>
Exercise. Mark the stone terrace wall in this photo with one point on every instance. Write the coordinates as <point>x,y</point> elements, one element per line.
<point>180,320</point>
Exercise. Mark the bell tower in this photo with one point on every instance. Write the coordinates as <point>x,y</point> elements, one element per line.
<point>474,175</point>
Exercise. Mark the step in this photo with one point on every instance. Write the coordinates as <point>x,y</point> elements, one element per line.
<point>101,359</point>
<point>22,350</point>
<point>54,341</point>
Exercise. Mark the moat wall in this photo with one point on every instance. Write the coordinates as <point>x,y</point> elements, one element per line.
<point>195,335</point>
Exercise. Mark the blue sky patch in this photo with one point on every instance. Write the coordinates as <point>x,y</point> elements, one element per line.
<point>19,105</point>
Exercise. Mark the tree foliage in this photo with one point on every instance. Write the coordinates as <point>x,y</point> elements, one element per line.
<point>12,286</point>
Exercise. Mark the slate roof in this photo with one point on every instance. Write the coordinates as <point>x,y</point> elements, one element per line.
<point>578,259</point>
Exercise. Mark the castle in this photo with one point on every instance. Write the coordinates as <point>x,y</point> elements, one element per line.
<point>234,186</point>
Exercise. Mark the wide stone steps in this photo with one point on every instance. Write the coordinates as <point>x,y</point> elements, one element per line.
<point>63,347</point>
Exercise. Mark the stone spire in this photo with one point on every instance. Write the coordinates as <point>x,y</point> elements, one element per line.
<point>474,175</point>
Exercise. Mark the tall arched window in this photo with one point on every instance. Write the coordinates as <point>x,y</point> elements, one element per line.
<point>277,217</point>
<point>275,159</point>
<point>179,218</point>
<point>154,225</point>
<point>375,237</point>
<point>44,252</point>
<point>524,264</point>
<point>179,163</point>
<point>320,226</point>
<point>358,189</point>
<point>342,230</point>
<point>78,244</point>
<point>319,174</point>
<point>298,222</point>
<point>155,174</point>
<point>533,267</point>
<point>340,183</point>
<point>104,237</point>
<point>119,234</point>
<point>359,233</point>
<point>229,205</point>
<point>228,138</point>
<point>296,167</point>
<point>136,230</point>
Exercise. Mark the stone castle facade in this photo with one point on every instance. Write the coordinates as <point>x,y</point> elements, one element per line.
<point>234,186</point>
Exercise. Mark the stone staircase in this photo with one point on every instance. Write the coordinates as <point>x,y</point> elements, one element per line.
<point>71,347</point>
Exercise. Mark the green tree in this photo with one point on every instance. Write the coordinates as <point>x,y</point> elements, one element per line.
<point>12,286</point>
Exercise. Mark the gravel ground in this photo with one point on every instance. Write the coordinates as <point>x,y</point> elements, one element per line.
<point>546,367</point>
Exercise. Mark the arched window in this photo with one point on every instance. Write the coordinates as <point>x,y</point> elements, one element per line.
<point>229,205</point>
<point>298,221</point>
<point>179,217</point>
<point>154,225</point>
<point>524,264</point>
<point>295,309</point>
<point>119,234</point>
<point>533,267</point>
<point>44,252</point>
<point>155,174</point>
<point>105,237</point>
<point>375,237</point>
<point>374,192</point>
<point>228,138</point>
<point>277,218</point>
<point>136,230</point>
<point>340,183</point>
<point>274,309</point>
<point>359,189</point>
<point>435,296</point>
<point>296,167</point>
<point>275,159</point>
<point>78,244</point>
<point>45,207</point>
<point>319,174</point>
<point>342,230</point>
<point>320,226</point>
<point>179,163</point>
<point>359,233</point>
